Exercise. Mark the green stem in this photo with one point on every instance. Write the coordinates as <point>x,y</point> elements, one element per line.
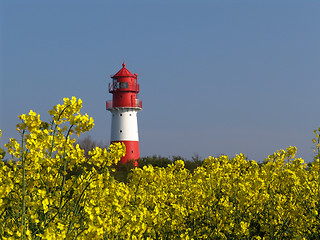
<point>55,129</point>
<point>63,182</point>
<point>23,220</point>
<point>64,170</point>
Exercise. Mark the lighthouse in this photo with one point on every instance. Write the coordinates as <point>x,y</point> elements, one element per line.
<point>124,107</point>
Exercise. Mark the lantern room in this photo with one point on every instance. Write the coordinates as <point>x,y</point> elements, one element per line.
<point>125,89</point>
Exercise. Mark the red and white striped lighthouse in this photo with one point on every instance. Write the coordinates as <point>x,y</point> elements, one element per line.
<point>124,107</point>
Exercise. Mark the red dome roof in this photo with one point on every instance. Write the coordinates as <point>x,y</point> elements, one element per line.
<point>123,72</point>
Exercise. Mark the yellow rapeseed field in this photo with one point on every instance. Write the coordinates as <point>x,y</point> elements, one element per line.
<point>50,190</point>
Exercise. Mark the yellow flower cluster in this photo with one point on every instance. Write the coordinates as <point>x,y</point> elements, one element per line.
<point>316,141</point>
<point>50,190</point>
<point>47,183</point>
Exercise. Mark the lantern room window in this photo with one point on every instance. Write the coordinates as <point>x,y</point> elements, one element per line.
<point>123,84</point>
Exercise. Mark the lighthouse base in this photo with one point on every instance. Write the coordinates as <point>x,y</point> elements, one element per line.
<point>132,151</point>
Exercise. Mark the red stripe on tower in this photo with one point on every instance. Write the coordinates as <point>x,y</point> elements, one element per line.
<point>124,107</point>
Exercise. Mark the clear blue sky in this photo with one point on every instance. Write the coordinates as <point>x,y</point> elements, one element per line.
<point>215,76</point>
